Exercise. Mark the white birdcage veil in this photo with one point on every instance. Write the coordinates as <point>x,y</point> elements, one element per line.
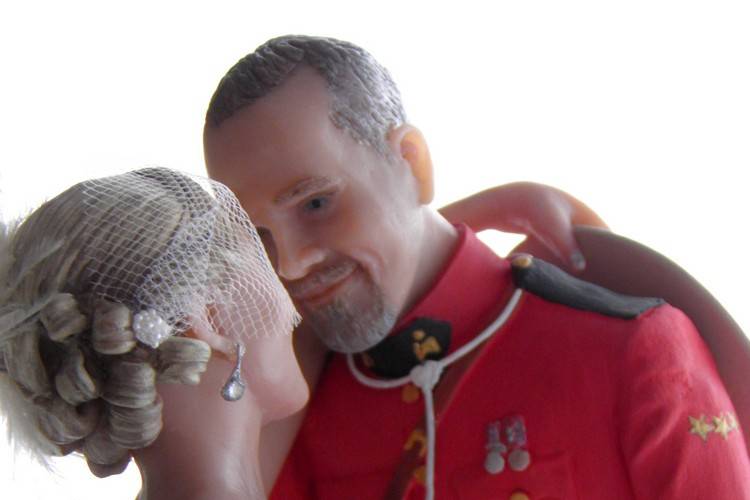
<point>213,255</point>
<point>99,285</point>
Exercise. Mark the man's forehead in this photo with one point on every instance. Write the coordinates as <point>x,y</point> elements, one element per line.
<point>277,126</point>
<point>303,90</point>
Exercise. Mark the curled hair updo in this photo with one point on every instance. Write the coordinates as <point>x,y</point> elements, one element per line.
<point>75,373</point>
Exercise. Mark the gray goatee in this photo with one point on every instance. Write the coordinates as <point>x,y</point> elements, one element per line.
<point>347,329</point>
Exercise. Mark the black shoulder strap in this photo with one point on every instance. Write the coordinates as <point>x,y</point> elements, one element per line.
<point>555,285</point>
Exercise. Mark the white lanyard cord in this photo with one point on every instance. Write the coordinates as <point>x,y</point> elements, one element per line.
<point>426,376</point>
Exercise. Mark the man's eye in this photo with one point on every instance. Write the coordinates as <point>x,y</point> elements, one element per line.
<point>315,204</point>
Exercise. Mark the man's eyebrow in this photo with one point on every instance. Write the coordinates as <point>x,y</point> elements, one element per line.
<point>303,188</point>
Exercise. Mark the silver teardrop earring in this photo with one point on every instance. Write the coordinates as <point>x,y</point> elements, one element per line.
<point>235,387</point>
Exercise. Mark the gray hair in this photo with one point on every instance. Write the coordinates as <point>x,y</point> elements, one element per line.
<point>365,100</point>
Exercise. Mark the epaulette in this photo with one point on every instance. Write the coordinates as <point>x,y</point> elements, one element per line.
<point>555,285</point>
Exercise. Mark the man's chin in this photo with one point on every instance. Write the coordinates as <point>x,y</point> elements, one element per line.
<point>345,346</point>
<point>350,334</point>
<point>355,320</point>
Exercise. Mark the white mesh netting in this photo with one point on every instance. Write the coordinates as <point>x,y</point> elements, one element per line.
<point>205,266</point>
<point>178,250</point>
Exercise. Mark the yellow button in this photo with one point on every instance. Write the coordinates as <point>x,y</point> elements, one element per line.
<point>519,495</point>
<point>524,261</point>
<point>410,393</point>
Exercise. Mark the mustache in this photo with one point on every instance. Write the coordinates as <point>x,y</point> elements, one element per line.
<point>320,279</point>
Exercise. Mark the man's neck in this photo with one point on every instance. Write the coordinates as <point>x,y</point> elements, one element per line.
<point>437,246</point>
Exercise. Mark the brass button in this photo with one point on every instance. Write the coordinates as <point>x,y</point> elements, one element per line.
<point>410,393</point>
<point>519,495</point>
<point>524,261</point>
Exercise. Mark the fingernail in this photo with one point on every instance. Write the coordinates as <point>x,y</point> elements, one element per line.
<point>579,263</point>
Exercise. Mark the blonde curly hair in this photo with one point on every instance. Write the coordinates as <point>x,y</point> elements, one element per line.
<point>76,373</point>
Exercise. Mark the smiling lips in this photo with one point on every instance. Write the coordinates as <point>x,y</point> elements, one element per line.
<point>319,285</point>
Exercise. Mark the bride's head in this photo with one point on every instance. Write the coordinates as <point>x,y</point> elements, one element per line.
<point>122,283</point>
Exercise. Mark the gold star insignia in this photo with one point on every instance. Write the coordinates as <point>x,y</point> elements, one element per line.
<point>428,346</point>
<point>721,426</point>
<point>732,422</point>
<point>700,427</point>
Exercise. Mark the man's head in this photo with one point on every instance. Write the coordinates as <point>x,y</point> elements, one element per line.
<point>364,100</point>
<point>342,207</point>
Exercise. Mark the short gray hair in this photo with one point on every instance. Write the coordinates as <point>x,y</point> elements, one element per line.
<point>365,100</point>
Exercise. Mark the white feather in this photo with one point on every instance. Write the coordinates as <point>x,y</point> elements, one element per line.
<point>20,416</point>
<point>7,230</point>
<point>35,256</point>
<point>11,314</point>
<point>19,413</point>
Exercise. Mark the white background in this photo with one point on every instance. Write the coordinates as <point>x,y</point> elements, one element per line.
<point>641,109</point>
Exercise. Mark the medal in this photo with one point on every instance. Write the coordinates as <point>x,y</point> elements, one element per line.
<point>494,463</point>
<point>519,458</point>
<point>506,436</point>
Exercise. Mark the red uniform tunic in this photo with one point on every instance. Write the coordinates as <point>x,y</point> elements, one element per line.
<point>613,408</point>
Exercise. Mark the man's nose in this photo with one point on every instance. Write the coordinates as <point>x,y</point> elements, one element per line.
<point>296,255</point>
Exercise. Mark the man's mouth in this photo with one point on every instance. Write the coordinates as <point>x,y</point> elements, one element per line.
<point>321,285</point>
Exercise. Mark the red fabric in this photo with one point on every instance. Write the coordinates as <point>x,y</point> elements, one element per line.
<point>606,403</point>
<point>628,267</point>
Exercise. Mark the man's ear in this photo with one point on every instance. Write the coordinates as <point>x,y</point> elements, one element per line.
<point>408,143</point>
